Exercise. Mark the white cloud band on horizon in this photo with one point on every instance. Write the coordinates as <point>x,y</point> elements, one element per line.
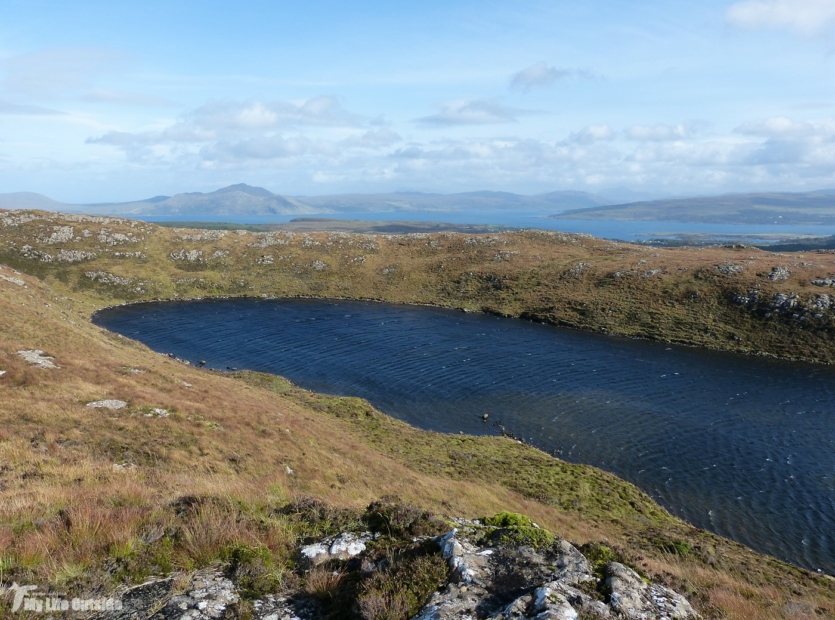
<point>318,135</point>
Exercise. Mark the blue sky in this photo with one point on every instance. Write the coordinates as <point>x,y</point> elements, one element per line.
<point>105,101</point>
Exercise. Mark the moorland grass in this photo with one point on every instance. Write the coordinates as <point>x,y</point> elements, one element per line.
<point>248,466</point>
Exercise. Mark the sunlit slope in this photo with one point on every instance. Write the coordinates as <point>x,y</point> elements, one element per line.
<point>93,497</point>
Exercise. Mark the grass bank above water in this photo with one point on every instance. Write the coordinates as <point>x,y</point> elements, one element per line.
<point>93,497</point>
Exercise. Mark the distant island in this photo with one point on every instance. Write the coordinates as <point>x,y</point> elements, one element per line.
<point>810,208</point>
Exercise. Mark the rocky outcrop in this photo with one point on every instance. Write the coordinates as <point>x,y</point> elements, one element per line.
<point>205,235</point>
<point>75,256</point>
<point>730,269</point>
<point>104,277</point>
<point>107,237</point>
<point>190,256</point>
<point>779,273</point>
<point>827,281</point>
<point>206,595</point>
<point>498,569</point>
<point>631,597</point>
<point>60,234</point>
<point>788,305</point>
<point>555,583</point>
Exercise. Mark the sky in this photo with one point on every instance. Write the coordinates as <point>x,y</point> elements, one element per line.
<point>115,101</point>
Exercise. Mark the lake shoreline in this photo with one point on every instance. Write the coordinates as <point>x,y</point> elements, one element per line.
<point>474,425</point>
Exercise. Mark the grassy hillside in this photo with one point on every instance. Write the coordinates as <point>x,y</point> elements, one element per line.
<point>93,498</point>
<point>739,298</point>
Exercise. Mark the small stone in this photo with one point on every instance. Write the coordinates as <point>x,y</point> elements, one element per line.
<point>288,470</point>
<point>37,357</point>
<point>108,404</point>
<point>343,547</point>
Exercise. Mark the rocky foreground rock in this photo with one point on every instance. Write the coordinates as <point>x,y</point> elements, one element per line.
<point>491,572</point>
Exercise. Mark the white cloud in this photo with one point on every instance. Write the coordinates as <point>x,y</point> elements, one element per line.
<point>592,133</point>
<point>806,17</point>
<point>787,142</point>
<point>232,132</point>
<point>537,75</point>
<point>231,121</point>
<point>473,112</point>
<point>658,133</point>
<point>295,141</point>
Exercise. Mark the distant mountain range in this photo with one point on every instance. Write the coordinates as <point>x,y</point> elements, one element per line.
<point>245,200</point>
<point>810,208</point>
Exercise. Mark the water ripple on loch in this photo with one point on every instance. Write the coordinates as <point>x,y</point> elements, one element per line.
<point>742,446</point>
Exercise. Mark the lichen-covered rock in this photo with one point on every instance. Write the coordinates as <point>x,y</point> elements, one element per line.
<point>112,238</point>
<point>730,269</point>
<point>272,238</point>
<point>637,600</point>
<point>579,269</point>
<point>519,582</point>
<point>108,404</point>
<point>205,596</point>
<point>104,277</point>
<point>74,256</point>
<point>190,256</point>
<point>779,273</point>
<point>206,235</point>
<point>285,608</point>
<point>37,357</point>
<point>27,251</point>
<point>208,598</point>
<point>13,280</point>
<point>60,234</point>
<point>346,545</point>
<point>489,578</point>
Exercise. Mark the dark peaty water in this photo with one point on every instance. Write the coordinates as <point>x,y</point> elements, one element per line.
<point>741,446</point>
